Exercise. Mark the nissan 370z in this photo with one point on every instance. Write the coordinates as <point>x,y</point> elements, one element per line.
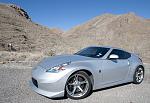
<point>75,76</point>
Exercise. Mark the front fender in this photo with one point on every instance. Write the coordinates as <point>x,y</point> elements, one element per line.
<point>91,67</point>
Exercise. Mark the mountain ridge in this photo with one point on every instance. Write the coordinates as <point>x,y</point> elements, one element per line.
<point>127,31</point>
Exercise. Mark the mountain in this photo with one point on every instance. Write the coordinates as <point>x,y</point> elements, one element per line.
<point>127,31</point>
<point>18,33</point>
<point>18,30</point>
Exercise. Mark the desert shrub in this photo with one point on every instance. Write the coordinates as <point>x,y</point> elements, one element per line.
<point>50,53</point>
<point>17,29</point>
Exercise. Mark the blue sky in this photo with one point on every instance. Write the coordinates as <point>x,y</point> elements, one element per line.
<point>65,14</point>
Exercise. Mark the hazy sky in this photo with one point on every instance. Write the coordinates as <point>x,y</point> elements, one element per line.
<point>65,14</point>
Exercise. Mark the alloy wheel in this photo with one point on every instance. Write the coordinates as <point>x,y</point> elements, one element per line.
<point>77,85</point>
<point>139,75</point>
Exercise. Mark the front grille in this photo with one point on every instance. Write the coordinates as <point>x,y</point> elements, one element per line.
<point>35,82</point>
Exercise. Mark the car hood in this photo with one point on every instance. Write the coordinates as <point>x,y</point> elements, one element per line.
<point>57,60</point>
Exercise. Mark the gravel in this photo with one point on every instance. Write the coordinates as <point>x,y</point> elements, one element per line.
<point>14,88</point>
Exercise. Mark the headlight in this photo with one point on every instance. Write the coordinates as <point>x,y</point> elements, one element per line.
<point>58,68</point>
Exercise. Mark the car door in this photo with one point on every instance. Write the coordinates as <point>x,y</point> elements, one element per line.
<point>114,70</point>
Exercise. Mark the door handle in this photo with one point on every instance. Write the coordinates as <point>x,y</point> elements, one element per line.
<point>100,71</point>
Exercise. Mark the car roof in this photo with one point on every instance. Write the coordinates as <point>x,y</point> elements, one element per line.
<point>108,47</point>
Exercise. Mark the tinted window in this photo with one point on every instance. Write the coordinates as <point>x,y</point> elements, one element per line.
<point>122,54</point>
<point>94,52</point>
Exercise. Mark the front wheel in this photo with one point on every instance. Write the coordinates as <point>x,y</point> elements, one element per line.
<point>138,75</point>
<point>78,85</point>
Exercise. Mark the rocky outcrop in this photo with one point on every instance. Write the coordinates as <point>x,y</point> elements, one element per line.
<point>21,11</point>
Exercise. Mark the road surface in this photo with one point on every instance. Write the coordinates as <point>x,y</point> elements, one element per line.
<point>14,88</point>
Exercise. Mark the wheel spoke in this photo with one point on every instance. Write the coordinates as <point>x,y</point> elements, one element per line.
<point>83,82</point>
<point>141,72</point>
<point>74,89</point>
<point>76,77</point>
<point>137,79</point>
<point>137,75</point>
<point>71,83</point>
<point>80,88</point>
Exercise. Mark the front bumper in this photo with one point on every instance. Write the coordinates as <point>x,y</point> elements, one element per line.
<point>46,93</point>
<point>51,85</point>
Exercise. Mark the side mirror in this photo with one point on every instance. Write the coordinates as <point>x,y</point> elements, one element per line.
<point>113,56</point>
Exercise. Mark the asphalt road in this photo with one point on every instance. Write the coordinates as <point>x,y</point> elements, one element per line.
<point>14,89</point>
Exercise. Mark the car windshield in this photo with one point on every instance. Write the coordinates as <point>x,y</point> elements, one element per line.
<point>94,52</point>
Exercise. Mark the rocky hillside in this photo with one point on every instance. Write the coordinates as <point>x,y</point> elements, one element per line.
<point>20,34</point>
<point>127,31</point>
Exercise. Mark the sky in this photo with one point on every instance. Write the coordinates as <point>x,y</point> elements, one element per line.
<point>65,14</point>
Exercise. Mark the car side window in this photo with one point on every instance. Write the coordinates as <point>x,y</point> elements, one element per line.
<point>122,54</point>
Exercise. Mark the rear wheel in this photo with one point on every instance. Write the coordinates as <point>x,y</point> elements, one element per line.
<point>138,75</point>
<point>78,85</point>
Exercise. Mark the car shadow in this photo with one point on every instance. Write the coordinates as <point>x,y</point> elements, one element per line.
<point>56,98</point>
<point>103,89</point>
<point>115,86</point>
<point>59,98</point>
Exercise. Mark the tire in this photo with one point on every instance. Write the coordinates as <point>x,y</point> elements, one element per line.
<point>78,85</point>
<point>138,75</point>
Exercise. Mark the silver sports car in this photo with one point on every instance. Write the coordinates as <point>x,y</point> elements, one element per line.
<point>75,76</point>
